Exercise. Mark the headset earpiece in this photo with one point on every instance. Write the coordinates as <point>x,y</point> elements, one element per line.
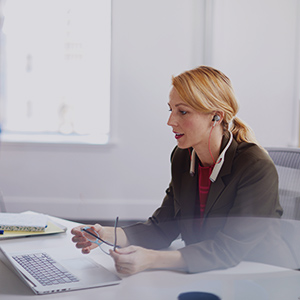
<point>216,119</point>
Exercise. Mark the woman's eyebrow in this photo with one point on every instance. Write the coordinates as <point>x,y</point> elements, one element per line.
<point>178,104</point>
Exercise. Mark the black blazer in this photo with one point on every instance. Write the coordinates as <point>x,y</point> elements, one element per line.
<point>233,227</point>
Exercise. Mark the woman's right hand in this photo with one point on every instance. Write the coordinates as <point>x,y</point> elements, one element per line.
<point>83,243</point>
<point>107,233</point>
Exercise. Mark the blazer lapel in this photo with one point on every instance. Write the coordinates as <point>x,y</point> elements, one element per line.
<point>216,189</point>
<point>188,194</point>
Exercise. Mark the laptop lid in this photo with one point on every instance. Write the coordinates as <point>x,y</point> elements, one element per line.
<point>88,273</point>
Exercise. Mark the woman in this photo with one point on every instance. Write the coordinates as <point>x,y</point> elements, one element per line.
<point>219,176</point>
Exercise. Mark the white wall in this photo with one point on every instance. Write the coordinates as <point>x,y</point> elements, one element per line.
<point>256,43</point>
<point>152,40</point>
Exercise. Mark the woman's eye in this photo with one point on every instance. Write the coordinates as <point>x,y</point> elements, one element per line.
<point>183,112</point>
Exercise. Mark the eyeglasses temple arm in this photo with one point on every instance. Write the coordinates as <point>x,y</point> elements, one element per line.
<point>95,236</point>
<point>115,229</point>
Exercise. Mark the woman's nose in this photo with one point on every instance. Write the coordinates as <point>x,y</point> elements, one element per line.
<point>171,120</point>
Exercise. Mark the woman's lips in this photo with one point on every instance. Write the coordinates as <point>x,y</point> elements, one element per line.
<point>178,135</point>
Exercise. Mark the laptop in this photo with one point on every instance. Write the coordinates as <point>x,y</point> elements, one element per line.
<point>69,270</point>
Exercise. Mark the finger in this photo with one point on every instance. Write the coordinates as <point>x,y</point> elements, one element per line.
<point>121,257</point>
<point>123,264</point>
<point>126,250</point>
<point>113,254</point>
<point>83,245</point>
<point>76,230</point>
<point>117,254</point>
<point>86,250</point>
<point>122,270</point>
<point>78,239</point>
<point>96,227</point>
<point>120,260</point>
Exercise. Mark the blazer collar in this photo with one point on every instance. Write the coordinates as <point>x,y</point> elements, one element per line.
<point>189,185</point>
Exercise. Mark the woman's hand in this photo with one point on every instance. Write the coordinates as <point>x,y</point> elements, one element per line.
<point>81,242</point>
<point>106,233</point>
<point>134,259</point>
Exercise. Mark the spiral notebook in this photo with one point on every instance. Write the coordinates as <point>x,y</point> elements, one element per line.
<point>23,223</point>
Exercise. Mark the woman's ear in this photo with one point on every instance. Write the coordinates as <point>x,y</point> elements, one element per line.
<point>218,117</point>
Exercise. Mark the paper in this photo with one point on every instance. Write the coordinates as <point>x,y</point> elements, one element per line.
<point>23,222</point>
<point>52,228</point>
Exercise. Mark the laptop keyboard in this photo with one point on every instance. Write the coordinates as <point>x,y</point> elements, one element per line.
<point>44,269</point>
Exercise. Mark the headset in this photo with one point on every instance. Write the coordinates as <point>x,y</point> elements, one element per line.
<point>216,119</point>
<point>219,162</point>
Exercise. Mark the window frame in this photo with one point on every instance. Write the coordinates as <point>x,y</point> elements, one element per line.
<point>58,141</point>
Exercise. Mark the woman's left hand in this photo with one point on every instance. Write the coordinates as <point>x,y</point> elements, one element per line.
<point>133,259</point>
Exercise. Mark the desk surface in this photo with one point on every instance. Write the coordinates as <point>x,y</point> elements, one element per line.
<point>245,281</point>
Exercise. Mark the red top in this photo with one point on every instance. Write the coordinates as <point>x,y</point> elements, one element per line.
<point>204,185</point>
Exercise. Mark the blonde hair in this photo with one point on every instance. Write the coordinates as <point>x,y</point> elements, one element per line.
<point>208,90</point>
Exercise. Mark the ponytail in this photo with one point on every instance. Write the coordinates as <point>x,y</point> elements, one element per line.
<point>242,132</point>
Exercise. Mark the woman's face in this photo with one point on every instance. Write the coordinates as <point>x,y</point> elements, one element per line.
<point>191,127</point>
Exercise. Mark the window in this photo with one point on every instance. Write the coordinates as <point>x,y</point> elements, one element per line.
<point>55,71</point>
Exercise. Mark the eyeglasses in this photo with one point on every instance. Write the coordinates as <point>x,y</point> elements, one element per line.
<point>93,236</point>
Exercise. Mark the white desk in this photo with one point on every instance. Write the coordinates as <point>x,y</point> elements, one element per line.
<point>243,282</point>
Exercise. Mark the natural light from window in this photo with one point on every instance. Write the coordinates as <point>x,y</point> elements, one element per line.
<point>55,71</point>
